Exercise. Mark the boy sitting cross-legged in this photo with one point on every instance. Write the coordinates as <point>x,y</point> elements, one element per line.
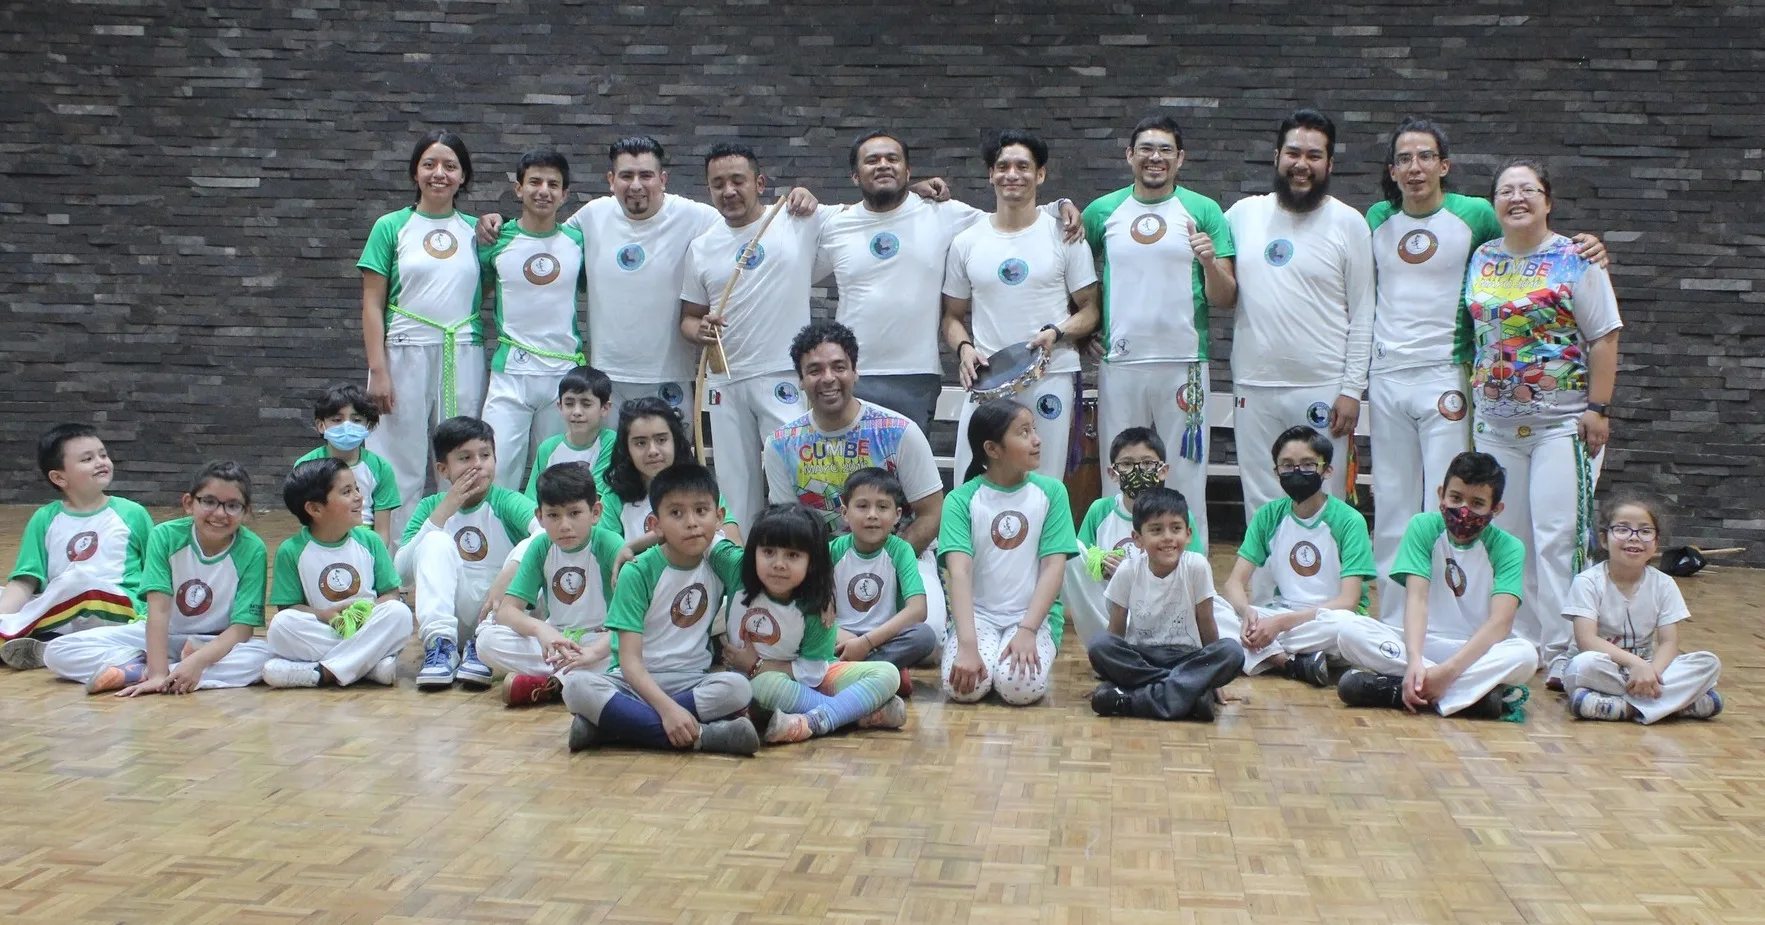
<point>879,598</point>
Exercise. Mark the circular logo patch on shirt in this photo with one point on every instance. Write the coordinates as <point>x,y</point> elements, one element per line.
<point>1279,252</point>
<point>1013,271</point>
<point>194,598</point>
<point>339,581</point>
<point>440,244</point>
<point>1190,396</point>
<point>1379,351</point>
<point>1305,559</point>
<point>1049,406</point>
<point>1391,650</point>
<point>760,627</point>
<point>755,259</point>
<point>785,393</point>
<point>1120,348</point>
<point>83,546</point>
<point>629,257</point>
<point>1523,431</point>
<point>672,393</point>
<point>1318,414</point>
<point>1417,246</point>
<point>1455,577</point>
<point>541,269</point>
<point>471,543</point>
<point>1452,405</point>
<point>1147,229</point>
<point>689,605</point>
<point>884,245</point>
<point>863,591</point>
<point>1010,529</point>
<point>568,584</point>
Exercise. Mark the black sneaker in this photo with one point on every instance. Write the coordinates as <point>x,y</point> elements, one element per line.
<point>1205,710</point>
<point>1109,700</point>
<point>1312,668</point>
<point>1506,702</point>
<point>1362,688</point>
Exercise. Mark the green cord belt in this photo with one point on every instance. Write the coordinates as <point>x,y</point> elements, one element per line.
<point>449,337</point>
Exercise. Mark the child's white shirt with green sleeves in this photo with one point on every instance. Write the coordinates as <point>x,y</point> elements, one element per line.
<point>109,543</point>
<point>1308,558</point>
<point>1008,531</point>
<point>1109,526</point>
<point>868,590</point>
<point>208,593</point>
<point>484,534</point>
<point>556,449</point>
<point>326,575</point>
<point>673,607</point>
<point>373,477</point>
<point>537,278</point>
<point>569,584</point>
<point>1461,579</point>
<point>779,631</point>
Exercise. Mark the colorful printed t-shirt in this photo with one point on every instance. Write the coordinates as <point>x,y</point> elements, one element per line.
<point>806,464</point>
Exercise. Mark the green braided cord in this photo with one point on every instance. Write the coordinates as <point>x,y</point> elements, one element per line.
<point>576,358</point>
<point>575,634</point>
<point>1583,503</point>
<point>1094,556</point>
<point>350,619</point>
<point>449,336</point>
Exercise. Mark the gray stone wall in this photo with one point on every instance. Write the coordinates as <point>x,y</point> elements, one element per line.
<point>185,187</point>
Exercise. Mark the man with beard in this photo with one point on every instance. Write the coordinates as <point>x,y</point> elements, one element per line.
<point>1165,255</point>
<point>1304,327</point>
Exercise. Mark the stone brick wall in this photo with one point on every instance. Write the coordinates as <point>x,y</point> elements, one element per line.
<point>185,187</point>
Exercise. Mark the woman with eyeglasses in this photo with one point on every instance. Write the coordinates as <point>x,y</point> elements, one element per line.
<point>1545,324</point>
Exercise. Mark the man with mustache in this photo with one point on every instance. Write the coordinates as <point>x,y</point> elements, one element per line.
<point>1304,325</point>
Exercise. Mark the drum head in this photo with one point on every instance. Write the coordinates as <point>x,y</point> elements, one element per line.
<point>1008,366</point>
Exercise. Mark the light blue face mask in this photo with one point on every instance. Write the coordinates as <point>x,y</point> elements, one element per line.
<point>347,435</point>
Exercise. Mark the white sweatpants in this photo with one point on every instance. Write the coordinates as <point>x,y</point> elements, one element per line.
<point>1087,610</point>
<point>1420,420</point>
<point>1318,634</point>
<point>1018,689</point>
<point>503,649</point>
<point>744,414</point>
<point>62,593</point>
<point>1379,648</point>
<point>299,636</point>
<point>1051,405</point>
<point>449,596</point>
<point>523,410</point>
<point>1260,416</point>
<point>678,395</point>
<point>937,608</point>
<point>1145,395</point>
<point>80,656</point>
<point>1687,678</point>
<point>402,436</point>
<point>1549,506</point>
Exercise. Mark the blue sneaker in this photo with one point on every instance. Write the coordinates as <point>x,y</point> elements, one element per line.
<point>473,674</point>
<point>439,663</point>
<point>1704,707</point>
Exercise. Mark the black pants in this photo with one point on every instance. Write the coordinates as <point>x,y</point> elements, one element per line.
<point>1165,681</point>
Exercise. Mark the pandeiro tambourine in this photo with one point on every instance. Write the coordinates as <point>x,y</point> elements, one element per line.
<point>1009,372</point>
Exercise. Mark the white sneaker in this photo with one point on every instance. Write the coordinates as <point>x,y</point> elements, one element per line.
<point>385,671</point>
<point>280,672</point>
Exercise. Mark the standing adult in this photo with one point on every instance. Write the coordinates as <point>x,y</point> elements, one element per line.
<point>1014,275</point>
<point>421,294</point>
<point>1165,257</point>
<point>1547,361</point>
<point>1305,307</point>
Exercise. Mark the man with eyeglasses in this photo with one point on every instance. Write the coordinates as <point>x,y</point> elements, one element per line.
<point>1164,254</point>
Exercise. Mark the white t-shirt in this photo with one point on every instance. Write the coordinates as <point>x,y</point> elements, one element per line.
<point>1017,283</point>
<point>1626,622</point>
<point>1305,296</point>
<point>635,268</point>
<point>1161,611</point>
<point>770,303</point>
<point>1421,318</point>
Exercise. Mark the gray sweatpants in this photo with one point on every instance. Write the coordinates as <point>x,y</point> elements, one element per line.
<point>908,648</point>
<point>1165,682</point>
<point>715,695</point>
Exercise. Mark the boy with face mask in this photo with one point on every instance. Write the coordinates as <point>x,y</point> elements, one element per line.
<point>344,416</point>
<point>1462,580</point>
<point>1317,549</point>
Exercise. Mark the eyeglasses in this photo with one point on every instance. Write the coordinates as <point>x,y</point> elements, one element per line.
<point>1425,158</point>
<point>210,504</point>
<point>1137,466</point>
<point>1519,192</point>
<point>1626,531</point>
<point>1149,150</point>
<point>1306,467</point>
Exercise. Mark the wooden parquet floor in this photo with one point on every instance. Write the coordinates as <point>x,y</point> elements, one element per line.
<point>378,806</point>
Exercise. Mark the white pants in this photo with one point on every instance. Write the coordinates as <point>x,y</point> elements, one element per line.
<point>81,656</point>
<point>64,592</point>
<point>299,636</point>
<point>1051,405</point>
<point>937,608</point>
<point>1261,415</point>
<point>402,436</point>
<point>1087,611</point>
<point>503,649</point>
<point>1145,394</point>
<point>678,395</point>
<point>1688,677</point>
<point>1549,500</point>
<point>523,410</point>
<point>449,596</point>
<point>1020,689</point>
<point>1379,648</point>
<point>1420,420</point>
<point>743,416</point>
<point>1318,634</point>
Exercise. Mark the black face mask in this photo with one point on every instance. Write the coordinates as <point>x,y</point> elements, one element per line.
<point>1301,485</point>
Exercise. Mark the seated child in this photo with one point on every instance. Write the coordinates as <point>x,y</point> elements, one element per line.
<point>1626,614</point>
<point>1161,656</point>
<point>650,437</point>
<point>661,692</point>
<point>1106,535</point>
<point>583,395</point>
<point>786,646</point>
<point>455,544</point>
<point>317,635</point>
<point>1317,550</point>
<point>344,416</point>
<point>564,576</point>
<point>1462,580</point>
<point>878,594</point>
<point>204,582</point>
<point>79,561</point>
<point>1003,590</point>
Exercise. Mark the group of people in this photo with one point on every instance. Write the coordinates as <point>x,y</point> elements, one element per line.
<point>576,547</point>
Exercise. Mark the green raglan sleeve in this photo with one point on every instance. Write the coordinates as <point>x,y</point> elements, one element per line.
<point>311,455</point>
<point>516,511</point>
<point>1209,219</point>
<point>1379,213</point>
<point>1058,538</point>
<point>285,589</point>
<point>140,528</point>
<point>1094,217</point>
<point>1478,213</point>
<point>250,559</point>
<point>603,459</point>
<point>631,598</point>
<point>380,254</point>
<point>1507,559</point>
<point>908,584</point>
<point>1349,528</point>
<point>529,581</point>
<point>818,639</point>
<point>726,561</point>
<point>33,548</point>
<point>156,567</point>
<point>1261,532</point>
<point>1415,555</point>
<point>425,507</point>
<point>605,548</point>
<point>1094,515</point>
<point>953,527</point>
<point>542,458</point>
<point>385,572</point>
<point>386,497</point>
<point>1195,543</point>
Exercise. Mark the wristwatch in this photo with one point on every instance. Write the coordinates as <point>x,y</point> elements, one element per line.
<point>1599,408</point>
<point>1059,335</point>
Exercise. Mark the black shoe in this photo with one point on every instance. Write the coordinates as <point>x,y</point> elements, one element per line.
<point>1362,688</point>
<point>583,734</point>
<point>1312,668</point>
<point>1506,702</point>
<point>1205,710</point>
<point>1109,700</point>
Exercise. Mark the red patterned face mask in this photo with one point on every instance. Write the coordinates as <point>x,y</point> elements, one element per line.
<point>1463,524</point>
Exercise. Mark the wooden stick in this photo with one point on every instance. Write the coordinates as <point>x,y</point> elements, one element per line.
<point>1724,551</point>
<point>701,392</point>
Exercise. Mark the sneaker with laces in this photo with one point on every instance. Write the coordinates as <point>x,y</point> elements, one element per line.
<point>1590,704</point>
<point>440,660</point>
<point>23,654</point>
<point>117,677</point>
<point>473,674</point>
<point>1109,700</point>
<point>280,672</point>
<point>1312,668</point>
<point>1362,688</point>
<point>1706,706</point>
<point>891,715</point>
<point>1553,676</point>
<point>788,727</point>
<point>735,736</point>
<point>526,690</point>
<point>385,671</point>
